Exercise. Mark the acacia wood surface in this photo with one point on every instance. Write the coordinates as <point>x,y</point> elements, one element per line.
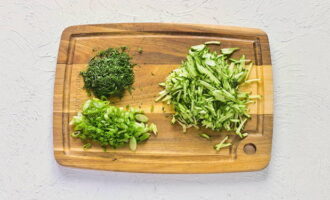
<point>164,47</point>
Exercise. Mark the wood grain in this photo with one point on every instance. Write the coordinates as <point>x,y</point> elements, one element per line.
<point>164,47</point>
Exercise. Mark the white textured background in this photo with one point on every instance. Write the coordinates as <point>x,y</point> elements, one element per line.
<point>299,33</point>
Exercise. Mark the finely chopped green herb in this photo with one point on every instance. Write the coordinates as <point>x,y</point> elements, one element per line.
<point>109,73</point>
<point>204,91</point>
<point>110,126</point>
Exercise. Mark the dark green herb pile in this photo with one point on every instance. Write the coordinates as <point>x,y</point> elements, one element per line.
<point>110,126</point>
<point>205,92</point>
<point>109,73</point>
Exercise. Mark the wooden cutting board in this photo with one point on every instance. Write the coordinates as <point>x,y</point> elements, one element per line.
<point>164,47</point>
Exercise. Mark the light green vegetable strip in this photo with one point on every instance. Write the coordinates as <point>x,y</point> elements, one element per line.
<point>204,135</point>
<point>110,126</point>
<point>198,47</point>
<point>222,144</point>
<point>132,144</point>
<point>141,118</point>
<point>153,128</point>
<point>213,42</point>
<point>204,90</point>
<point>228,51</point>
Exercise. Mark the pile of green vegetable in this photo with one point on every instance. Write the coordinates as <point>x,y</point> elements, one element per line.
<point>111,126</point>
<point>205,92</point>
<point>109,73</point>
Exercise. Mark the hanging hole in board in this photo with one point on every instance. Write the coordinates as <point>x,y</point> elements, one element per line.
<point>250,148</point>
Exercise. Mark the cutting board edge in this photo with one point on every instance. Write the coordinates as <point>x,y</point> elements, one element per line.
<point>64,47</point>
<point>160,168</point>
<point>63,159</point>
